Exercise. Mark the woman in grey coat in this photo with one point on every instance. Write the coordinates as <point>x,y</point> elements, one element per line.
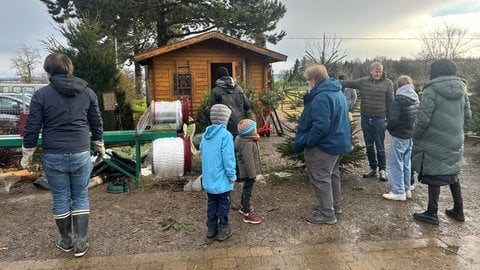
<point>438,138</point>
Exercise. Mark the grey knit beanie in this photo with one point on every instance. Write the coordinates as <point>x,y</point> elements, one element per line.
<point>219,114</point>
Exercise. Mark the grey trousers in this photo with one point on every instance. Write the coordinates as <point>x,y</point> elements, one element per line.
<point>324,174</point>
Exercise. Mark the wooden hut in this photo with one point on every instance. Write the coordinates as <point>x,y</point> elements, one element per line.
<point>187,68</point>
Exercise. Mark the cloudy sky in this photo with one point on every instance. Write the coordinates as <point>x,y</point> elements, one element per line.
<point>366,28</point>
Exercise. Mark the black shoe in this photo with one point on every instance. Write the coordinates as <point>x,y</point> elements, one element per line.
<point>212,232</point>
<point>318,218</point>
<point>457,216</point>
<point>426,217</point>
<point>224,234</point>
<point>371,173</point>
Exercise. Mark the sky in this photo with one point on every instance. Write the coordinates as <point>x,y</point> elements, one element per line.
<point>365,29</point>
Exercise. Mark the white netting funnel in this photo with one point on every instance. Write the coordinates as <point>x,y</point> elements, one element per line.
<point>165,112</point>
<point>168,157</point>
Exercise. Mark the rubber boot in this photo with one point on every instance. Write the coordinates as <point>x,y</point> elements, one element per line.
<point>80,228</point>
<point>457,211</point>
<point>64,242</point>
<point>430,216</point>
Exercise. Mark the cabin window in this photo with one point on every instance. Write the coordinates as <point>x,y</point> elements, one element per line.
<point>182,84</point>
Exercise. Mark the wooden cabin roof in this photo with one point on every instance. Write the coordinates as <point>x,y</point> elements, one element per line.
<point>144,58</point>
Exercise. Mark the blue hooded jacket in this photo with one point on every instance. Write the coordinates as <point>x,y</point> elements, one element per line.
<point>218,159</point>
<point>324,121</point>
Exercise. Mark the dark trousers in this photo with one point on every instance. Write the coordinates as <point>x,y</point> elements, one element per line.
<point>374,135</point>
<point>434,194</point>
<point>247,191</point>
<point>218,208</point>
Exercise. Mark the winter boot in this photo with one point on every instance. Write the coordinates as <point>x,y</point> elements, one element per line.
<point>457,211</point>
<point>80,228</point>
<point>64,242</point>
<point>430,216</point>
<point>224,234</point>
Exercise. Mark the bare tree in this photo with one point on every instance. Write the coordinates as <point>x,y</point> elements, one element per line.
<point>24,62</point>
<point>448,42</point>
<point>328,52</point>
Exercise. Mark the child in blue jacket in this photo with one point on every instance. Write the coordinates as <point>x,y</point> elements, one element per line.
<point>218,171</point>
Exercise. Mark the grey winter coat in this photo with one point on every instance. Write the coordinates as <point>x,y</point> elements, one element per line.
<point>248,157</point>
<point>438,133</point>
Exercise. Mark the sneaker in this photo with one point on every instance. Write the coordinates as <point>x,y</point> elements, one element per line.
<point>426,217</point>
<point>371,173</point>
<point>224,234</point>
<point>457,216</point>
<point>243,212</point>
<point>383,175</point>
<point>212,232</point>
<point>394,197</point>
<point>318,218</point>
<point>408,194</point>
<point>412,187</point>
<point>251,218</point>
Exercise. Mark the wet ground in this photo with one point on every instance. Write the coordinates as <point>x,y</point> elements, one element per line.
<point>160,227</point>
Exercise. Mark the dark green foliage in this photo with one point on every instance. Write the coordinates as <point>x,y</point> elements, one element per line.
<point>203,117</point>
<point>93,57</point>
<point>165,21</point>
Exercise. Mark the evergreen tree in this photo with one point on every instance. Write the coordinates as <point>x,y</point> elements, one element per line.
<point>93,57</point>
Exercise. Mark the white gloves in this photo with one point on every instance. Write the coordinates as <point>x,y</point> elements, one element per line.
<point>260,177</point>
<point>99,150</point>
<point>27,156</point>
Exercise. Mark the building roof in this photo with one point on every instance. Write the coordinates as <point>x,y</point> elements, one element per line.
<point>273,56</point>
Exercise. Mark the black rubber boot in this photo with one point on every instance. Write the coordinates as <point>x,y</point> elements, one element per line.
<point>64,242</point>
<point>457,211</point>
<point>430,216</point>
<point>80,228</point>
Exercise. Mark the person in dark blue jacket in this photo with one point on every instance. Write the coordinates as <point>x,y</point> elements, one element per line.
<point>323,134</point>
<point>65,112</point>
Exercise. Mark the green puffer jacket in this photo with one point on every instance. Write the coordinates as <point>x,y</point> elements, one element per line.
<point>375,96</point>
<point>438,134</point>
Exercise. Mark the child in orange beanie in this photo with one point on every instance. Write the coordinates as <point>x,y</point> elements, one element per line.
<point>249,166</point>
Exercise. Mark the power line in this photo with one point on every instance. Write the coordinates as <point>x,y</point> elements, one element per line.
<point>380,38</point>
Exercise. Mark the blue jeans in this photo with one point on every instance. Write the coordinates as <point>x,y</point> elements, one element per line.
<point>399,164</point>
<point>374,135</point>
<point>68,176</point>
<point>217,210</point>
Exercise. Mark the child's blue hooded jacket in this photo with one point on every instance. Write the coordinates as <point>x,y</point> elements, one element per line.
<point>218,159</point>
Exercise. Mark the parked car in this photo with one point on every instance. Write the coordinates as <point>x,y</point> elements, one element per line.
<point>11,107</point>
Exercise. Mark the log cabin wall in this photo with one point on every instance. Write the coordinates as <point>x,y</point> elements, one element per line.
<point>196,61</point>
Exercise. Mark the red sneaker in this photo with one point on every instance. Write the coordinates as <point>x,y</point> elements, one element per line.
<point>251,218</point>
<point>243,213</point>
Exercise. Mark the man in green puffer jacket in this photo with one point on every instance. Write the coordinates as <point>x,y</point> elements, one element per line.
<point>438,138</point>
<point>376,94</point>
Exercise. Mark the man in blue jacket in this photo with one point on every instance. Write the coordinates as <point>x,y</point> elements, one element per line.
<point>323,134</point>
